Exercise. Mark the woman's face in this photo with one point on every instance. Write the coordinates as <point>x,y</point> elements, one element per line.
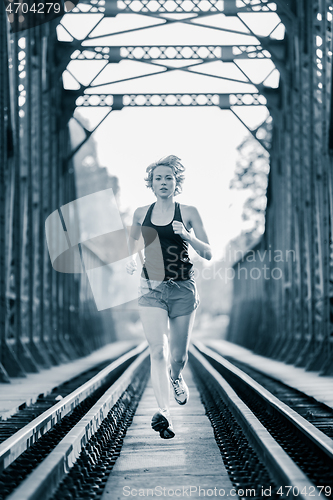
<point>164,182</point>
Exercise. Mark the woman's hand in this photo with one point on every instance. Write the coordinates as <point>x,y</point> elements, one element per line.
<point>178,228</point>
<point>131,266</point>
<point>198,238</point>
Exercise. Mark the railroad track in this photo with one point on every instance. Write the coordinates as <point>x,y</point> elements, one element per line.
<point>22,453</point>
<point>26,414</point>
<point>319,414</point>
<point>69,450</point>
<point>297,455</point>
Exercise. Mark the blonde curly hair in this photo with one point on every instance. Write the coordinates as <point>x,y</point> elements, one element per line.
<point>168,161</point>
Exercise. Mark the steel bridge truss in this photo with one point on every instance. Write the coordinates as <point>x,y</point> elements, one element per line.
<point>294,315</point>
<point>162,58</point>
<point>48,317</point>
<point>204,53</point>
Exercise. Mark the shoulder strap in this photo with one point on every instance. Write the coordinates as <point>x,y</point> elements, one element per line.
<point>178,215</point>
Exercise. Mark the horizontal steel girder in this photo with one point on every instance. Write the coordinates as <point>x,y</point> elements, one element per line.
<point>119,101</point>
<point>111,8</point>
<point>226,53</point>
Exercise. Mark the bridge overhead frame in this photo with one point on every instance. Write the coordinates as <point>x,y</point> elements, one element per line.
<point>159,57</point>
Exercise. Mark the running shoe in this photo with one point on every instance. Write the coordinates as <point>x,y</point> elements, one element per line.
<point>180,389</point>
<point>161,423</point>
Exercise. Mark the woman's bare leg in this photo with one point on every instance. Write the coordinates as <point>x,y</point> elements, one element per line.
<point>180,331</point>
<point>155,326</point>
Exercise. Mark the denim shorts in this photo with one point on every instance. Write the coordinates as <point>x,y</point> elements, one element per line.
<point>178,298</point>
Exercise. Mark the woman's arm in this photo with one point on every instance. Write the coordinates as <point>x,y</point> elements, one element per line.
<point>199,241</point>
<point>135,232</point>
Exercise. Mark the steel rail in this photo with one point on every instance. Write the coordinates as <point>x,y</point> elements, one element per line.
<point>321,440</point>
<point>14,446</point>
<point>277,461</point>
<point>42,482</point>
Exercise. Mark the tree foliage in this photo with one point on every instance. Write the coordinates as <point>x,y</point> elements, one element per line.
<point>251,174</point>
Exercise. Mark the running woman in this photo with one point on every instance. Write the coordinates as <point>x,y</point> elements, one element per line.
<point>168,291</point>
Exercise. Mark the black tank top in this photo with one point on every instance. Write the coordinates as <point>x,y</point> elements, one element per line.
<point>176,260</point>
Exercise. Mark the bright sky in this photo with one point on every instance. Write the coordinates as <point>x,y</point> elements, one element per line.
<point>204,138</point>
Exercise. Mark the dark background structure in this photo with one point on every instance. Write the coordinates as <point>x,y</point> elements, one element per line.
<point>291,319</point>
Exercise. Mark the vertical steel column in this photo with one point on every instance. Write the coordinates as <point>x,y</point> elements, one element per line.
<point>9,357</point>
<point>297,320</point>
<point>34,93</point>
<point>327,367</point>
<point>16,332</point>
<point>15,256</point>
<point>54,171</point>
<point>47,114</point>
<point>30,326</point>
<point>299,93</point>
<point>4,135</point>
<point>322,62</point>
<point>314,235</point>
<point>42,146</point>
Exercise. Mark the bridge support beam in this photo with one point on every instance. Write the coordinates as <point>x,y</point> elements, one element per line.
<point>296,325</point>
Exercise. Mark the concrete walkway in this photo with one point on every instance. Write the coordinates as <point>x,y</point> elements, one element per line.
<point>27,389</point>
<point>149,466</point>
